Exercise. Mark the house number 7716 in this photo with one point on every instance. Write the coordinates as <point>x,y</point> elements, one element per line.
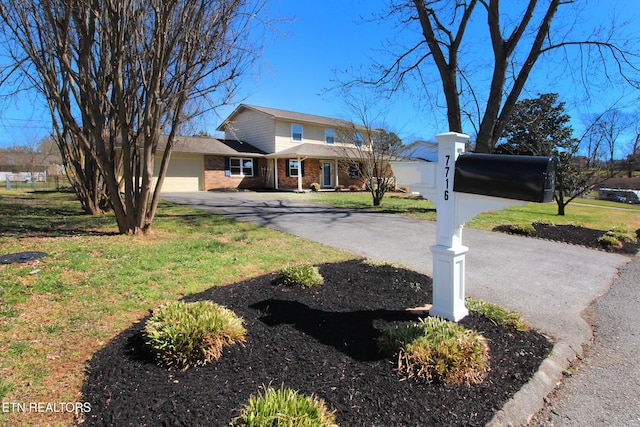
<point>446,177</point>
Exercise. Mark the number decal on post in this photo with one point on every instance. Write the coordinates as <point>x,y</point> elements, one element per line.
<point>446,176</point>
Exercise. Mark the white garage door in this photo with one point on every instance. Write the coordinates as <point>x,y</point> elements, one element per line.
<point>184,173</point>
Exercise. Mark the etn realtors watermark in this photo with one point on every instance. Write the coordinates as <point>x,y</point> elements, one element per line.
<point>42,407</point>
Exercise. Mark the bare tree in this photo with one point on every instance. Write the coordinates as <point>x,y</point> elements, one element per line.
<point>484,89</point>
<point>592,142</point>
<point>608,128</point>
<point>368,148</point>
<point>117,74</point>
<point>633,159</point>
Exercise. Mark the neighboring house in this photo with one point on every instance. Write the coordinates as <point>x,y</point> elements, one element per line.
<point>266,148</point>
<point>423,150</point>
<point>28,167</point>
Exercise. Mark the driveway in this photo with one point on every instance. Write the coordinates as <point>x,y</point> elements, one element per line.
<point>549,283</point>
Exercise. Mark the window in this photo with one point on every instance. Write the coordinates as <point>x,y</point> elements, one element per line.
<point>357,139</point>
<point>241,167</point>
<point>296,132</point>
<point>329,137</point>
<point>354,171</point>
<point>294,167</point>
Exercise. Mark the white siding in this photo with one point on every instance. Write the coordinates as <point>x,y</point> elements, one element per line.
<point>185,173</point>
<point>310,134</point>
<point>256,128</point>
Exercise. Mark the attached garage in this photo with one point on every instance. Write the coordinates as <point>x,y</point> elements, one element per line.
<point>185,173</point>
<point>199,164</point>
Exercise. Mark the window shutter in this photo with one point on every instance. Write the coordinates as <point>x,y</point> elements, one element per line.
<point>301,172</point>
<point>287,168</point>
<point>227,167</point>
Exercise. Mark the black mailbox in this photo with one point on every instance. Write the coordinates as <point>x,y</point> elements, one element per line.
<point>530,178</point>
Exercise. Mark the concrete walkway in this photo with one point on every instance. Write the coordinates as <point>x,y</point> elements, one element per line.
<point>549,283</point>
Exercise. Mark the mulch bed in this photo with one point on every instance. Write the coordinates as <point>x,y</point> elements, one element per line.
<point>319,341</point>
<point>575,235</point>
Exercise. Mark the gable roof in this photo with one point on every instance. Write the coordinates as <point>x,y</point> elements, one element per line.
<point>292,116</point>
<point>204,145</point>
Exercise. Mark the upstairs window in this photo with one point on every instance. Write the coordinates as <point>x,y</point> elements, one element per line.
<point>329,137</point>
<point>357,139</point>
<point>296,132</point>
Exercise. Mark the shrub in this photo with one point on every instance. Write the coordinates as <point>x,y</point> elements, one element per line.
<point>284,408</point>
<point>354,187</point>
<point>522,229</point>
<point>621,233</point>
<point>192,334</point>
<point>542,221</point>
<point>315,186</point>
<point>305,276</point>
<point>339,187</point>
<point>609,241</point>
<point>437,351</point>
<point>497,314</point>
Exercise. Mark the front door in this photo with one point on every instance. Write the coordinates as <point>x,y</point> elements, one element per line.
<point>326,174</point>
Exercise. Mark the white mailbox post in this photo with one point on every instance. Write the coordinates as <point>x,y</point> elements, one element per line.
<point>434,181</point>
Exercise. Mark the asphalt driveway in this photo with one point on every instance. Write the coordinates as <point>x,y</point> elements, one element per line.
<point>549,283</point>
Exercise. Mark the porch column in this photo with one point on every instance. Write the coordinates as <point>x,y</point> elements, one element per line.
<point>299,175</point>
<point>337,173</point>
<point>275,171</point>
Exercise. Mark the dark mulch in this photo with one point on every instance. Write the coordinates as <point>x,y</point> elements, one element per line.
<point>575,235</point>
<point>21,257</point>
<point>319,341</point>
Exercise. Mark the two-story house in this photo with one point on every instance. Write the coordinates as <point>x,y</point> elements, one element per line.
<point>267,148</point>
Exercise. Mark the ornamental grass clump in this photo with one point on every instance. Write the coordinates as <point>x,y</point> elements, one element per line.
<point>497,314</point>
<point>438,351</point>
<point>305,276</point>
<point>621,233</point>
<point>616,237</point>
<point>186,334</point>
<point>522,229</point>
<point>284,408</point>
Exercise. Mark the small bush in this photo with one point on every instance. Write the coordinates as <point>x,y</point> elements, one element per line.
<point>621,233</point>
<point>339,187</point>
<point>522,229</point>
<point>438,351</point>
<point>315,186</point>
<point>284,408</point>
<point>499,315</point>
<point>305,276</point>
<point>542,221</point>
<point>192,334</point>
<point>353,187</point>
<point>609,241</point>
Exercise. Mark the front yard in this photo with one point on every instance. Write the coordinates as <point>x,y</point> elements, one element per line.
<point>55,313</point>
<point>93,284</point>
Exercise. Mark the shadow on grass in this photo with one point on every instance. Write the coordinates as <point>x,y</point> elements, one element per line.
<point>22,216</point>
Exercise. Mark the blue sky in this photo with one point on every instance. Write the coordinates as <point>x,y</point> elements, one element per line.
<point>322,39</point>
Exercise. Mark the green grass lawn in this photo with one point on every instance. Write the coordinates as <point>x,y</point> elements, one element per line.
<point>595,216</point>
